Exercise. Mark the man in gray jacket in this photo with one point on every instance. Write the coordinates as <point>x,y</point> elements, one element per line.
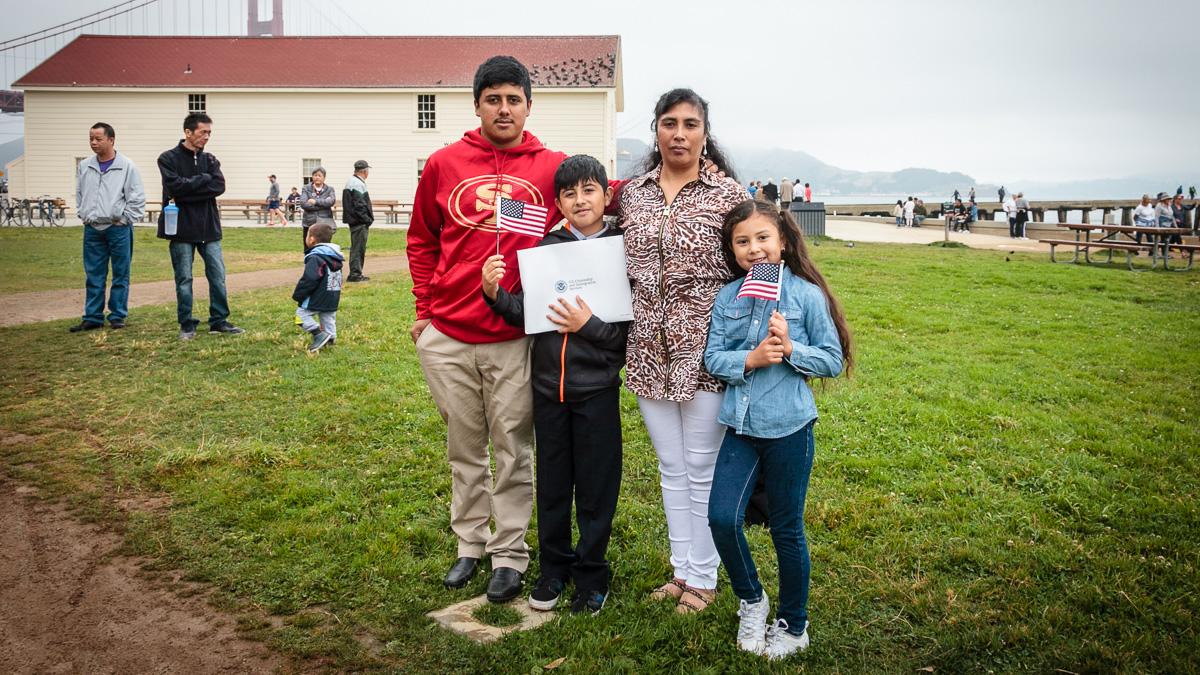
<point>109,198</point>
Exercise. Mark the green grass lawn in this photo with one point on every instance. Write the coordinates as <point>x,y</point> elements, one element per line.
<point>52,258</point>
<point>1009,483</point>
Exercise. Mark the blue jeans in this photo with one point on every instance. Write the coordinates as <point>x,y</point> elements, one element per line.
<point>100,247</point>
<point>182,255</point>
<point>787,463</point>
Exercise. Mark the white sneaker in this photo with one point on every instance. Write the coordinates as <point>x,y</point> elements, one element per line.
<point>752,626</point>
<point>782,644</point>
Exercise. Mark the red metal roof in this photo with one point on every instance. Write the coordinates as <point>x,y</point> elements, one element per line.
<point>288,62</point>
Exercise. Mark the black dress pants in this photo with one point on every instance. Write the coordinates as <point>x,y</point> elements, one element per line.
<point>578,451</point>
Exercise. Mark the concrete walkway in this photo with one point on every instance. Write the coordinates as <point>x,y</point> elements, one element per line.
<point>23,308</point>
<point>888,233</point>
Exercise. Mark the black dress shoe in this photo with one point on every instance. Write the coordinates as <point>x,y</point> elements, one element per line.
<point>461,572</point>
<point>505,585</point>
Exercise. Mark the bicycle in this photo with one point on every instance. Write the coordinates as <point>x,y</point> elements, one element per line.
<point>22,212</point>
<point>7,215</point>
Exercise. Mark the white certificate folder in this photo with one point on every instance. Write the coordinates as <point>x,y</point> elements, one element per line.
<point>593,269</point>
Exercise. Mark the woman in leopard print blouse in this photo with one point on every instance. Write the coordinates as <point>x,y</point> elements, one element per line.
<point>671,216</point>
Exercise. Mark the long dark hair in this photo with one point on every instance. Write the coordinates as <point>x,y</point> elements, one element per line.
<point>795,256</point>
<point>712,148</point>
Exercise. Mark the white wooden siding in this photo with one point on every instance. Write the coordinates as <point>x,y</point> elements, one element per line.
<point>258,133</point>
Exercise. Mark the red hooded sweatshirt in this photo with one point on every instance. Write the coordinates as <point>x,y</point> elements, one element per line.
<point>453,230</point>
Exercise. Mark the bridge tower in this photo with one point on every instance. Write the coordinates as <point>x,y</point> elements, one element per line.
<point>271,26</point>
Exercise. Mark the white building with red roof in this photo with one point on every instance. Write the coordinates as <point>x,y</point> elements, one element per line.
<point>283,105</point>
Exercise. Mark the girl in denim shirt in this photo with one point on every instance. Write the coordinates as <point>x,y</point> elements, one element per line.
<point>766,351</point>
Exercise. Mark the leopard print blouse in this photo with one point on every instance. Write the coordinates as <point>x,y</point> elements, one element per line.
<point>676,268</point>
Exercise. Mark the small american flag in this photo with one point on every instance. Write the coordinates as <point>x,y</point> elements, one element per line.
<point>764,281</point>
<point>521,217</point>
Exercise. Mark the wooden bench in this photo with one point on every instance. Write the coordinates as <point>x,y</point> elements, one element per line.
<point>245,207</point>
<point>391,209</point>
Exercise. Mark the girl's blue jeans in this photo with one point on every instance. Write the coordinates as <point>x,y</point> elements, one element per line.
<point>787,463</point>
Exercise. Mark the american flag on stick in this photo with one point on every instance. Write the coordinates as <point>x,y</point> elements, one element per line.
<point>764,281</point>
<point>518,217</point>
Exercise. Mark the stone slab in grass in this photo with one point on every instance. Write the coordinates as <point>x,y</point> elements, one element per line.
<point>460,618</point>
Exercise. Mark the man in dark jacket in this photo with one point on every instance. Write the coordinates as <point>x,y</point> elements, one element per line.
<point>192,179</point>
<point>358,214</point>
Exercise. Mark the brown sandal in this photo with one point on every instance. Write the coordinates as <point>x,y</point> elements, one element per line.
<point>672,589</point>
<point>695,600</point>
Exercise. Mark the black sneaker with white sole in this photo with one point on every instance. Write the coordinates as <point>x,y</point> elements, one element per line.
<point>546,593</point>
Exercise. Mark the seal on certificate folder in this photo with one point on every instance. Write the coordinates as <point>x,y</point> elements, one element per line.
<point>560,286</point>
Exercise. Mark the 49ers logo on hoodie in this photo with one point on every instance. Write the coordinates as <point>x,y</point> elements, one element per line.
<point>472,202</point>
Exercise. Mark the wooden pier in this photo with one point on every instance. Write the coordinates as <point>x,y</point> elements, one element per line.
<point>1038,210</point>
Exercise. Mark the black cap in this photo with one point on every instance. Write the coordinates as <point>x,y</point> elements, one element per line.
<point>361,164</point>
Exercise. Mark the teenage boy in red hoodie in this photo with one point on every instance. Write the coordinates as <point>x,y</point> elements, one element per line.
<point>476,365</point>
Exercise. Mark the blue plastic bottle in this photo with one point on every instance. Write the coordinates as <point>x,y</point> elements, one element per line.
<point>170,219</point>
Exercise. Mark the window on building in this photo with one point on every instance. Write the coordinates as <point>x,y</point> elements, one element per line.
<point>426,111</point>
<point>197,103</point>
<point>420,168</point>
<point>309,165</point>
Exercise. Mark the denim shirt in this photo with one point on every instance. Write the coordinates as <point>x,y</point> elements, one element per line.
<point>774,401</point>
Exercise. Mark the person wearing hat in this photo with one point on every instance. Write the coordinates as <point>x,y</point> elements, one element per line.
<point>1165,215</point>
<point>358,214</point>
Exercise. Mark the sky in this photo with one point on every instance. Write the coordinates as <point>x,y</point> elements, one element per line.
<point>1050,90</point>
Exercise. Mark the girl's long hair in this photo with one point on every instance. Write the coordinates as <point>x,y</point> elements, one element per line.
<point>712,149</point>
<point>795,256</point>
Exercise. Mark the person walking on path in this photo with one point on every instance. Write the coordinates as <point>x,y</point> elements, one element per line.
<point>671,216</point>
<point>274,203</point>
<point>192,178</point>
<point>317,200</point>
<point>109,198</point>
<point>786,193</point>
<point>1022,215</point>
<point>1010,211</point>
<point>1144,216</point>
<point>358,214</point>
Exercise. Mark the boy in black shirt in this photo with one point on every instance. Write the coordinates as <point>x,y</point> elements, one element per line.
<point>576,406</point>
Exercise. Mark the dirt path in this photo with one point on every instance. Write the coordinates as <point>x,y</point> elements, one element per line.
<point>69,604</point>
<point>23,308</point>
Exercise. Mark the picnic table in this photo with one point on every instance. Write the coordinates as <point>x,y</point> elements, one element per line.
<point>1123,238</point>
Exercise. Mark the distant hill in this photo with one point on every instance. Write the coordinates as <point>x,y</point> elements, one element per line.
<point>761,164</point>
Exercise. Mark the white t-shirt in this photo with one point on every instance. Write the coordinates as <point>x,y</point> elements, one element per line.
<point>1145,213</point>
<point>908,208</point>
<point>1010,207</point>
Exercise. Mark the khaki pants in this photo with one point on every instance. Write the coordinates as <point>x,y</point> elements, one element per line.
<point>483,390</point>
